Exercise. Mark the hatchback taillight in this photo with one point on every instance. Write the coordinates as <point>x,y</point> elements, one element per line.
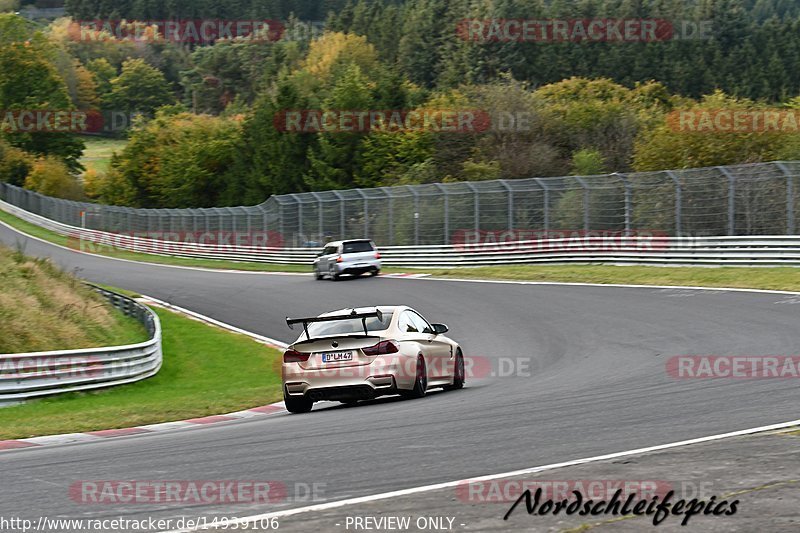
<point>382,348</point>
<point>339,259</point>
<point>377,255</point>
<point>293,356</point>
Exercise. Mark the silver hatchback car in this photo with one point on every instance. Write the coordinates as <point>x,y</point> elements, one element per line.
<point>354,257</point>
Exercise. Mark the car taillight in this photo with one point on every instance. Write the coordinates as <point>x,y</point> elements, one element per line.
<point>293,356</point>
<point>339,259</point>
<point>377,255</point>
<point>382,348</point>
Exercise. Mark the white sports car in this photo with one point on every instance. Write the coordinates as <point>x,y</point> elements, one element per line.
<point>358,354</point>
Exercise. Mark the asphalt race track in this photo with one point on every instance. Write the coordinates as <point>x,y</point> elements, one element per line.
<point>597,385</point>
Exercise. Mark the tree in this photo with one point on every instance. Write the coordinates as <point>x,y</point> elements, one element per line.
<point>175,160</point>
<point>139,88</point>
<point>51,177</point>
<point>31,82</point>
<point>335,163</point>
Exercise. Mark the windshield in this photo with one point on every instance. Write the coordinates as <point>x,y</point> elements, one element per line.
<point>357,247</point>
<point>348,326</point>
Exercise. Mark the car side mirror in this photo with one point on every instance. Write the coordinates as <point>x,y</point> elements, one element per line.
<point>440,329</point>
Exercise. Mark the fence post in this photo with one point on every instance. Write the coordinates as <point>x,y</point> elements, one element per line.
<point>546,202</point>
<point>319,210</point>
<point>628,202</point>
<point>416,213</point>
<point>341,214</point>
<point>446,212</point>
<point>390,226</point>
<point>510,206</point>
<point>678,203</point>
<point>731,199</point>
<point>789,197</point>
<point>477,201</point>
<point>366,213</point>
<point>585,202</point>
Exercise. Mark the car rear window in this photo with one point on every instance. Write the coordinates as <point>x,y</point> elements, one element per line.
<point>346,327</point>
<point>358,247</point>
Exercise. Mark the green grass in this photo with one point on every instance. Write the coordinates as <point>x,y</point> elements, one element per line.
<point>206,371</point>
<point>43,308</point>
<point>772,278</point>
<point>98,152</point>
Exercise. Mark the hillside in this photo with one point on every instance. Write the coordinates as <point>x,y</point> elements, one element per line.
<point>43,308</point>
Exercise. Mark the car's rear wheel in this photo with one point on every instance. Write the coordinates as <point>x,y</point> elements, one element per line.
<point>375,272</point>
<point>332,273</point>
<point>459,377</point>
<point>421,381</point>
<point>297,405</point>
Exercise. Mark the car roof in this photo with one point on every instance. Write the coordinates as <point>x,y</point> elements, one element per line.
<point>337,243</point>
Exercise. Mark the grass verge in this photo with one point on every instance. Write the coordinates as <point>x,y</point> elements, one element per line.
<point>771,278</point>
<point>206,371</point>
<point>43,308</point>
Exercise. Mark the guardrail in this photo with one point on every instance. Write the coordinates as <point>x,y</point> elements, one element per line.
<point>26,376</point>
<point>634,250</point>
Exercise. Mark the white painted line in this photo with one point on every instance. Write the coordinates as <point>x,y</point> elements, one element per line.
<point>203,318</point>
<point>526,471</point>
<point>66,438</point>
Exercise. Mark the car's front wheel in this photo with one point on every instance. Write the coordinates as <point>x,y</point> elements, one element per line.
<point>318,274</point>
<point>297,405</point>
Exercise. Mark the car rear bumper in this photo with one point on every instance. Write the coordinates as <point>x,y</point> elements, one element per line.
<point>365,390</point>
<point>358,267</point>
<point>383,376</point>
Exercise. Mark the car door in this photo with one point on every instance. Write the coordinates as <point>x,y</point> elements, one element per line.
<point>328,254</point>
<point>438,352</point>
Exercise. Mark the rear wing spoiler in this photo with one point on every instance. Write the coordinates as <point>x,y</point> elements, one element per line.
<point>354,315</point>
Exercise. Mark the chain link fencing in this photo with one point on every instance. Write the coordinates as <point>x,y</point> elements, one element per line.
<point>753,199</point>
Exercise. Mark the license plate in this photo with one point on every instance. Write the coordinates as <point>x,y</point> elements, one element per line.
<point>335,357</point>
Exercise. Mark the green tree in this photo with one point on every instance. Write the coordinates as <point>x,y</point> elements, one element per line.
<point>139,88</point>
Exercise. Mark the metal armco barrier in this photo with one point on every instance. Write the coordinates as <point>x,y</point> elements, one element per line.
<point>32,375</point>
<point>581,249</point>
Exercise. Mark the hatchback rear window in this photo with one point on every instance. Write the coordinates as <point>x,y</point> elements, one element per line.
<point>358,247</point>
